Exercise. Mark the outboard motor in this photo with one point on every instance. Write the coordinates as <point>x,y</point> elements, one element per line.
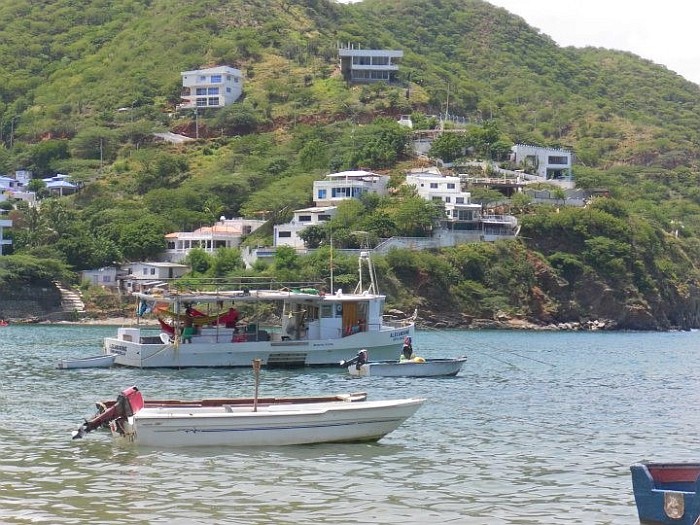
<point>127,404</point>
<point>360,359</point>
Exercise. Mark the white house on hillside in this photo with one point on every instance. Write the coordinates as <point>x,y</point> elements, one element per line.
<point>549,163</point>
<point>214,87</point>
<point>369,65</point>
<point>106,276</point>
<point>288,234</point>
<point>344,185</point>
<point>461,214</point>
<point>436,187</point>
<point>226,233</point>
<point>145,275</point>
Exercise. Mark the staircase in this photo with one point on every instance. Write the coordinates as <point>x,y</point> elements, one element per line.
<point>70,300</point>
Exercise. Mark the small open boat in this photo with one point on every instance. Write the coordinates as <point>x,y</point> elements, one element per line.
<point>95,361</point>
<point>667,493</point>
<point>251,423</point>
<point>417,367</point>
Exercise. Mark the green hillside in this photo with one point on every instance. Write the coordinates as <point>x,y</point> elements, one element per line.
<point>88,82</point>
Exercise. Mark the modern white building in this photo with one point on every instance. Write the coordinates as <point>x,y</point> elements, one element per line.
<point>225,233</point>
<point>549,163</point>
<point>214,87</point>
<point>140,276</point>
<point>344,185</point>
<point>288,234</point>
<point>107,276</point>
<point>434,186</point>
<point>461,215</point>
<point>59,185</point>
<point>369,65</point>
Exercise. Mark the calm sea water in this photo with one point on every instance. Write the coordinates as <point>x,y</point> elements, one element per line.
<point>537,428</point>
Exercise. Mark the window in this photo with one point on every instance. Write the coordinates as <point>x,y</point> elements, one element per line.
<point>228,90</point>
<point>447,199</point>
<point>304,218</point>
<point>201,91</point>
<point>459,200</point>
<point>321,194</point>
<point>202,78</point>
<point>153,271</point>
<point>557,160</point>
<point>145,271</point>
<point>201,102</point>
<point>216,79</point>
<point>323,218</point>
<point>171,245</point>
<point>433,185</point>
<point>450,185</point>
<point>284,234</point>
<point>213,101</point>
<point>213,91</point>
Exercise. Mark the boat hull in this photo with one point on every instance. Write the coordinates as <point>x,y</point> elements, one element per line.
<point>268,426</point>
<point>222,352</point>
<point>667,493</point>
<point>428,368</point>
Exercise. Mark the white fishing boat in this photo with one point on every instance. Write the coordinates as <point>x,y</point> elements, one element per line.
<point>407,365</point>
<point>416,367</point>
<point>95,361</point>
<point>130,419</point>
<point>314,328</point>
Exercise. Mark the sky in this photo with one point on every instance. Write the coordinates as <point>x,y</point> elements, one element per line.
<point>664,32</point>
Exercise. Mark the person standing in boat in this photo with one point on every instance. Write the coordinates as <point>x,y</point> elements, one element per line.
<point>188,330</point>
<point>407,350</point>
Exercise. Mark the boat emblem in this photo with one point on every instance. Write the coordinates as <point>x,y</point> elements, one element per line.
<point>674,505</point>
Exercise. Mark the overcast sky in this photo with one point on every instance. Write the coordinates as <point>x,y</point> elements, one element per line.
<point>663,31</point>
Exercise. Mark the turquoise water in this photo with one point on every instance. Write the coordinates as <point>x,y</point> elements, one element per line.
<point>537,428</point>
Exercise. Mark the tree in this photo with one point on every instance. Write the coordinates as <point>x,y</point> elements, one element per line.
<point>95,143</point>
<point>313,236</point>
<point>447,147</point>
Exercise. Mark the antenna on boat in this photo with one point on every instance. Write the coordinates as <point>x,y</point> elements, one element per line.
<point>372,288</point>
<point>331,262</point>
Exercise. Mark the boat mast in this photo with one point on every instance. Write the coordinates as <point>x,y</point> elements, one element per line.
<point>372,288</point>
<point>331,262</point>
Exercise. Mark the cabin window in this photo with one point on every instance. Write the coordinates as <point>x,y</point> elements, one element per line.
<point>321,194</point>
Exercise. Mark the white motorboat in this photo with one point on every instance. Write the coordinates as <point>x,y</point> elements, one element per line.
<point>130,419</point>
<point>314,328</point>
<point>95,361</point>
<point>416,367</point>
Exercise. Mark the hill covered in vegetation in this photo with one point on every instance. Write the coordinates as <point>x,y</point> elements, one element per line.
<point>89,82</point>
